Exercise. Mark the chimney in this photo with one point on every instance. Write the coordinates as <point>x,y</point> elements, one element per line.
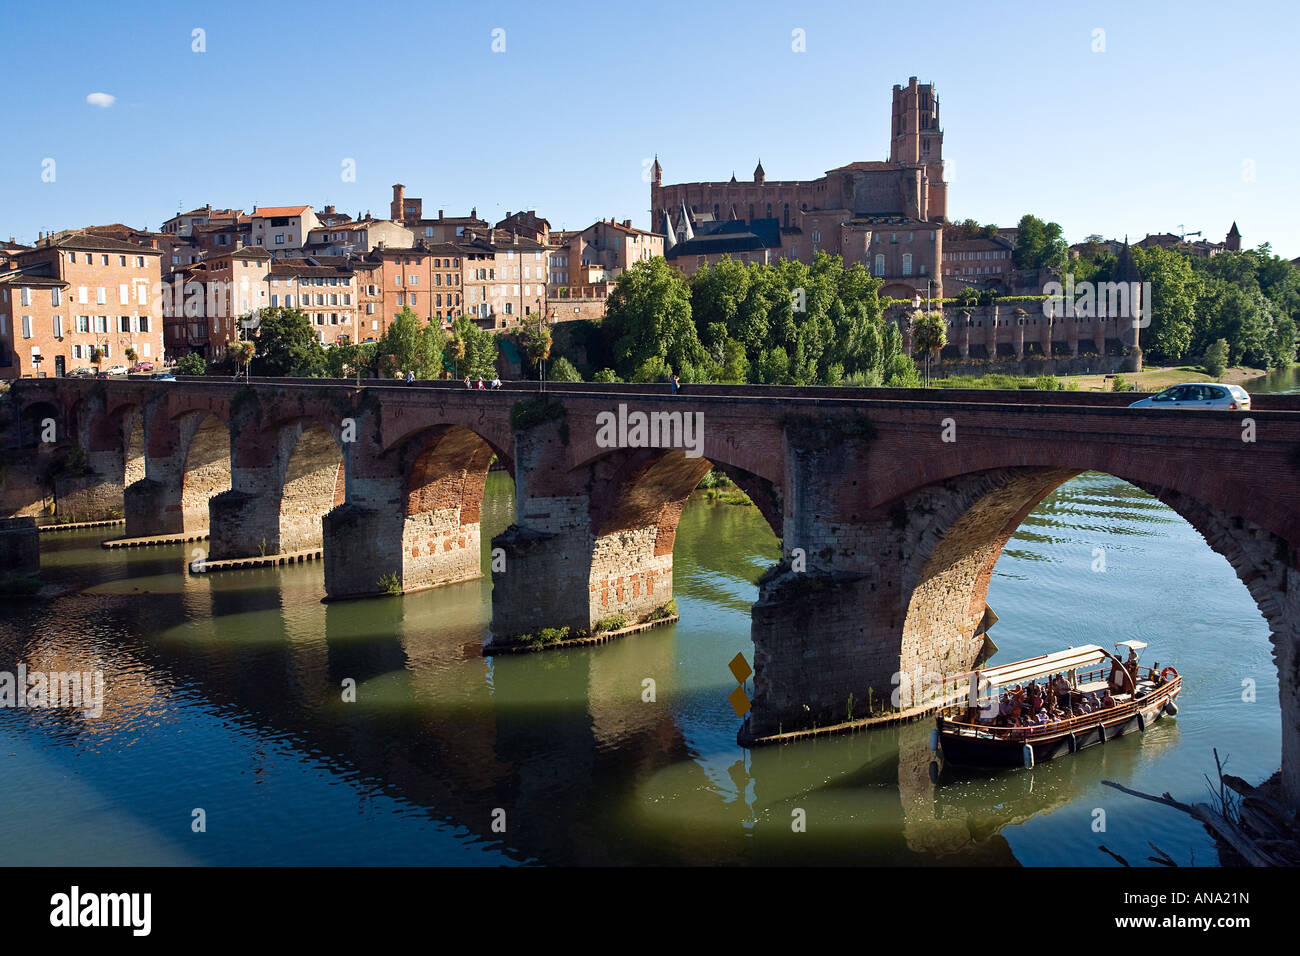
<point>399,201</point>
<point>439,213</point>
<point>627,223</point>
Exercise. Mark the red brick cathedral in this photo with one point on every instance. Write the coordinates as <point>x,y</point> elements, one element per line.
<point>887,215</point>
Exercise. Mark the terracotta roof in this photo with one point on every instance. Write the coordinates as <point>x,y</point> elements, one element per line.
<point>266,212</point>
<point>89,241</point>
<point>243,252</point>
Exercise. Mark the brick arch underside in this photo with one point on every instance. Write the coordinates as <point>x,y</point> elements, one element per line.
<point>444,475</point>
<point>960,526</point>
<point>207,467</point>
<point>313,485</point>
<point>649,488</point>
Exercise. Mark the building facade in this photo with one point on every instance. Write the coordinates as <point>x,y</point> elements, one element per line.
<point>75,296</point>
<point>886,215</point>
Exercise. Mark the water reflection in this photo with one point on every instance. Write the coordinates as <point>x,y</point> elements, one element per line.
<point>233,692</point>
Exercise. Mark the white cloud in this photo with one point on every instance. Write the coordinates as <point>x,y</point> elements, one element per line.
<point>101,99</point>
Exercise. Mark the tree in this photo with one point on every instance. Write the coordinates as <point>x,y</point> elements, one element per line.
<point>191,363</point>
<point>409,344</point>
<point>535,337</point>
<point>606,375</point>
<point>902,373</point>
<point>241,353</point>
<point>1174,289</point>
<point>287,345</point>
<point>1039,245</point>
<point>648,316</point>
<point>562,370</point>
<point>130,353</point>
<point>929,336</point>
<point>474,350</point>
<point>1216,358</point>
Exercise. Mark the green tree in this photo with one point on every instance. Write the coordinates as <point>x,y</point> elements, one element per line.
<point>901,373</point>
<point>191,363</point>
<point>562,370</point>
<point>1039,245</point>
<point>241,354</point>
<point>606,375</point>
<point>929,336</point>
<point>648,316</point>
<point>472,351</point>
<point>287,345</point>
<point>409,344</point>
<point>1174,289</point>
<point>1216,358</point>
<point>535,337</point>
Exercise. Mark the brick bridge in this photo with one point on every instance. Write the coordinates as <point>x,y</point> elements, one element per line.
<point>892,506</point>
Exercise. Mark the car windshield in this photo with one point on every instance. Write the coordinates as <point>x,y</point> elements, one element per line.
<point>1168,395</point>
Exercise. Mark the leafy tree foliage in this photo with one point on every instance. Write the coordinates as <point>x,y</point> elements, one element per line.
<point>1039,244</point>
<point>287,345</point>
<point>470,350</point>
<point>191,363</point>
<point>562,370</point>
<point>648,322</point>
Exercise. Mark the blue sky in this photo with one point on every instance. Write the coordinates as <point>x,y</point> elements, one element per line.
<point>1187,118</point>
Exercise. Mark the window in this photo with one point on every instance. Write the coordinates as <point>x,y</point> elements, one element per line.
<point>121,260</point>
<point>144,325</point>
<point>58,326</point>
<point>413,280</point>
<point>907,263</point>
<point>81,294</point>
<point>26,296</point>
<point>401,299</point>
<point>101,323</point>
<point>103,260</point>
<point>101,296</point>
<point>123,294</point>
<point>124,323</point>
<point>83,323</point>
<point>880,264</point>
<point>27,326</point>
<point>72,257</point>
<point>76,352</point>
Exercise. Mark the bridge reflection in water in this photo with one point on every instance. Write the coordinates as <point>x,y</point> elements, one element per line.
<point>251,667</point>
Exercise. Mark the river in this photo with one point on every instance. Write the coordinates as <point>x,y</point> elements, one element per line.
<point>225,708</point>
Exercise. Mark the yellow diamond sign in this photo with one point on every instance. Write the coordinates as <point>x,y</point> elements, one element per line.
<point>739,701</point>
<point>740,667</point>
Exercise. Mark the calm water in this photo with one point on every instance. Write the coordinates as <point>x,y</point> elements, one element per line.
<point>225,694</point>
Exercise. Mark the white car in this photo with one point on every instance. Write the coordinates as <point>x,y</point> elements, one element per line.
<point>115,370</point>
<point>1231,398</point>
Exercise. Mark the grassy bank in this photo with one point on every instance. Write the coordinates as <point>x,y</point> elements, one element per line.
<point>1154,379</point>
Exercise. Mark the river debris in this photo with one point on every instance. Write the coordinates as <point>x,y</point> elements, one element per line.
<point>1247,819</point>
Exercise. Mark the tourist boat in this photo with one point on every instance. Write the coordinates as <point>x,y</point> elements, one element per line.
<point>972,733</point>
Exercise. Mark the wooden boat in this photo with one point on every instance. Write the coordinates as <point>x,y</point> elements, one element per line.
<point>974,733</point>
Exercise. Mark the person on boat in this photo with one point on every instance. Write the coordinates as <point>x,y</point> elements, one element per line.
<point>1107,701</point>
<point>1061,685</point>
<point>1119,680</point>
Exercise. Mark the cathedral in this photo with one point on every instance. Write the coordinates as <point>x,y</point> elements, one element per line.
<point>888,215</point>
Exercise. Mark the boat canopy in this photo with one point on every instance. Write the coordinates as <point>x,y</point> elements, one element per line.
<point>1134,645</point>
<point>1076,657</point>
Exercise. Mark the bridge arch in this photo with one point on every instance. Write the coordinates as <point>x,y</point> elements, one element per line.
<point>313,482</point>
<point>205,467</point>
<point>955,531</point>
<point>444,473</point>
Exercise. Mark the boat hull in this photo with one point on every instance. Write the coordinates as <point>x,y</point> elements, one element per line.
<point>964,750</point>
